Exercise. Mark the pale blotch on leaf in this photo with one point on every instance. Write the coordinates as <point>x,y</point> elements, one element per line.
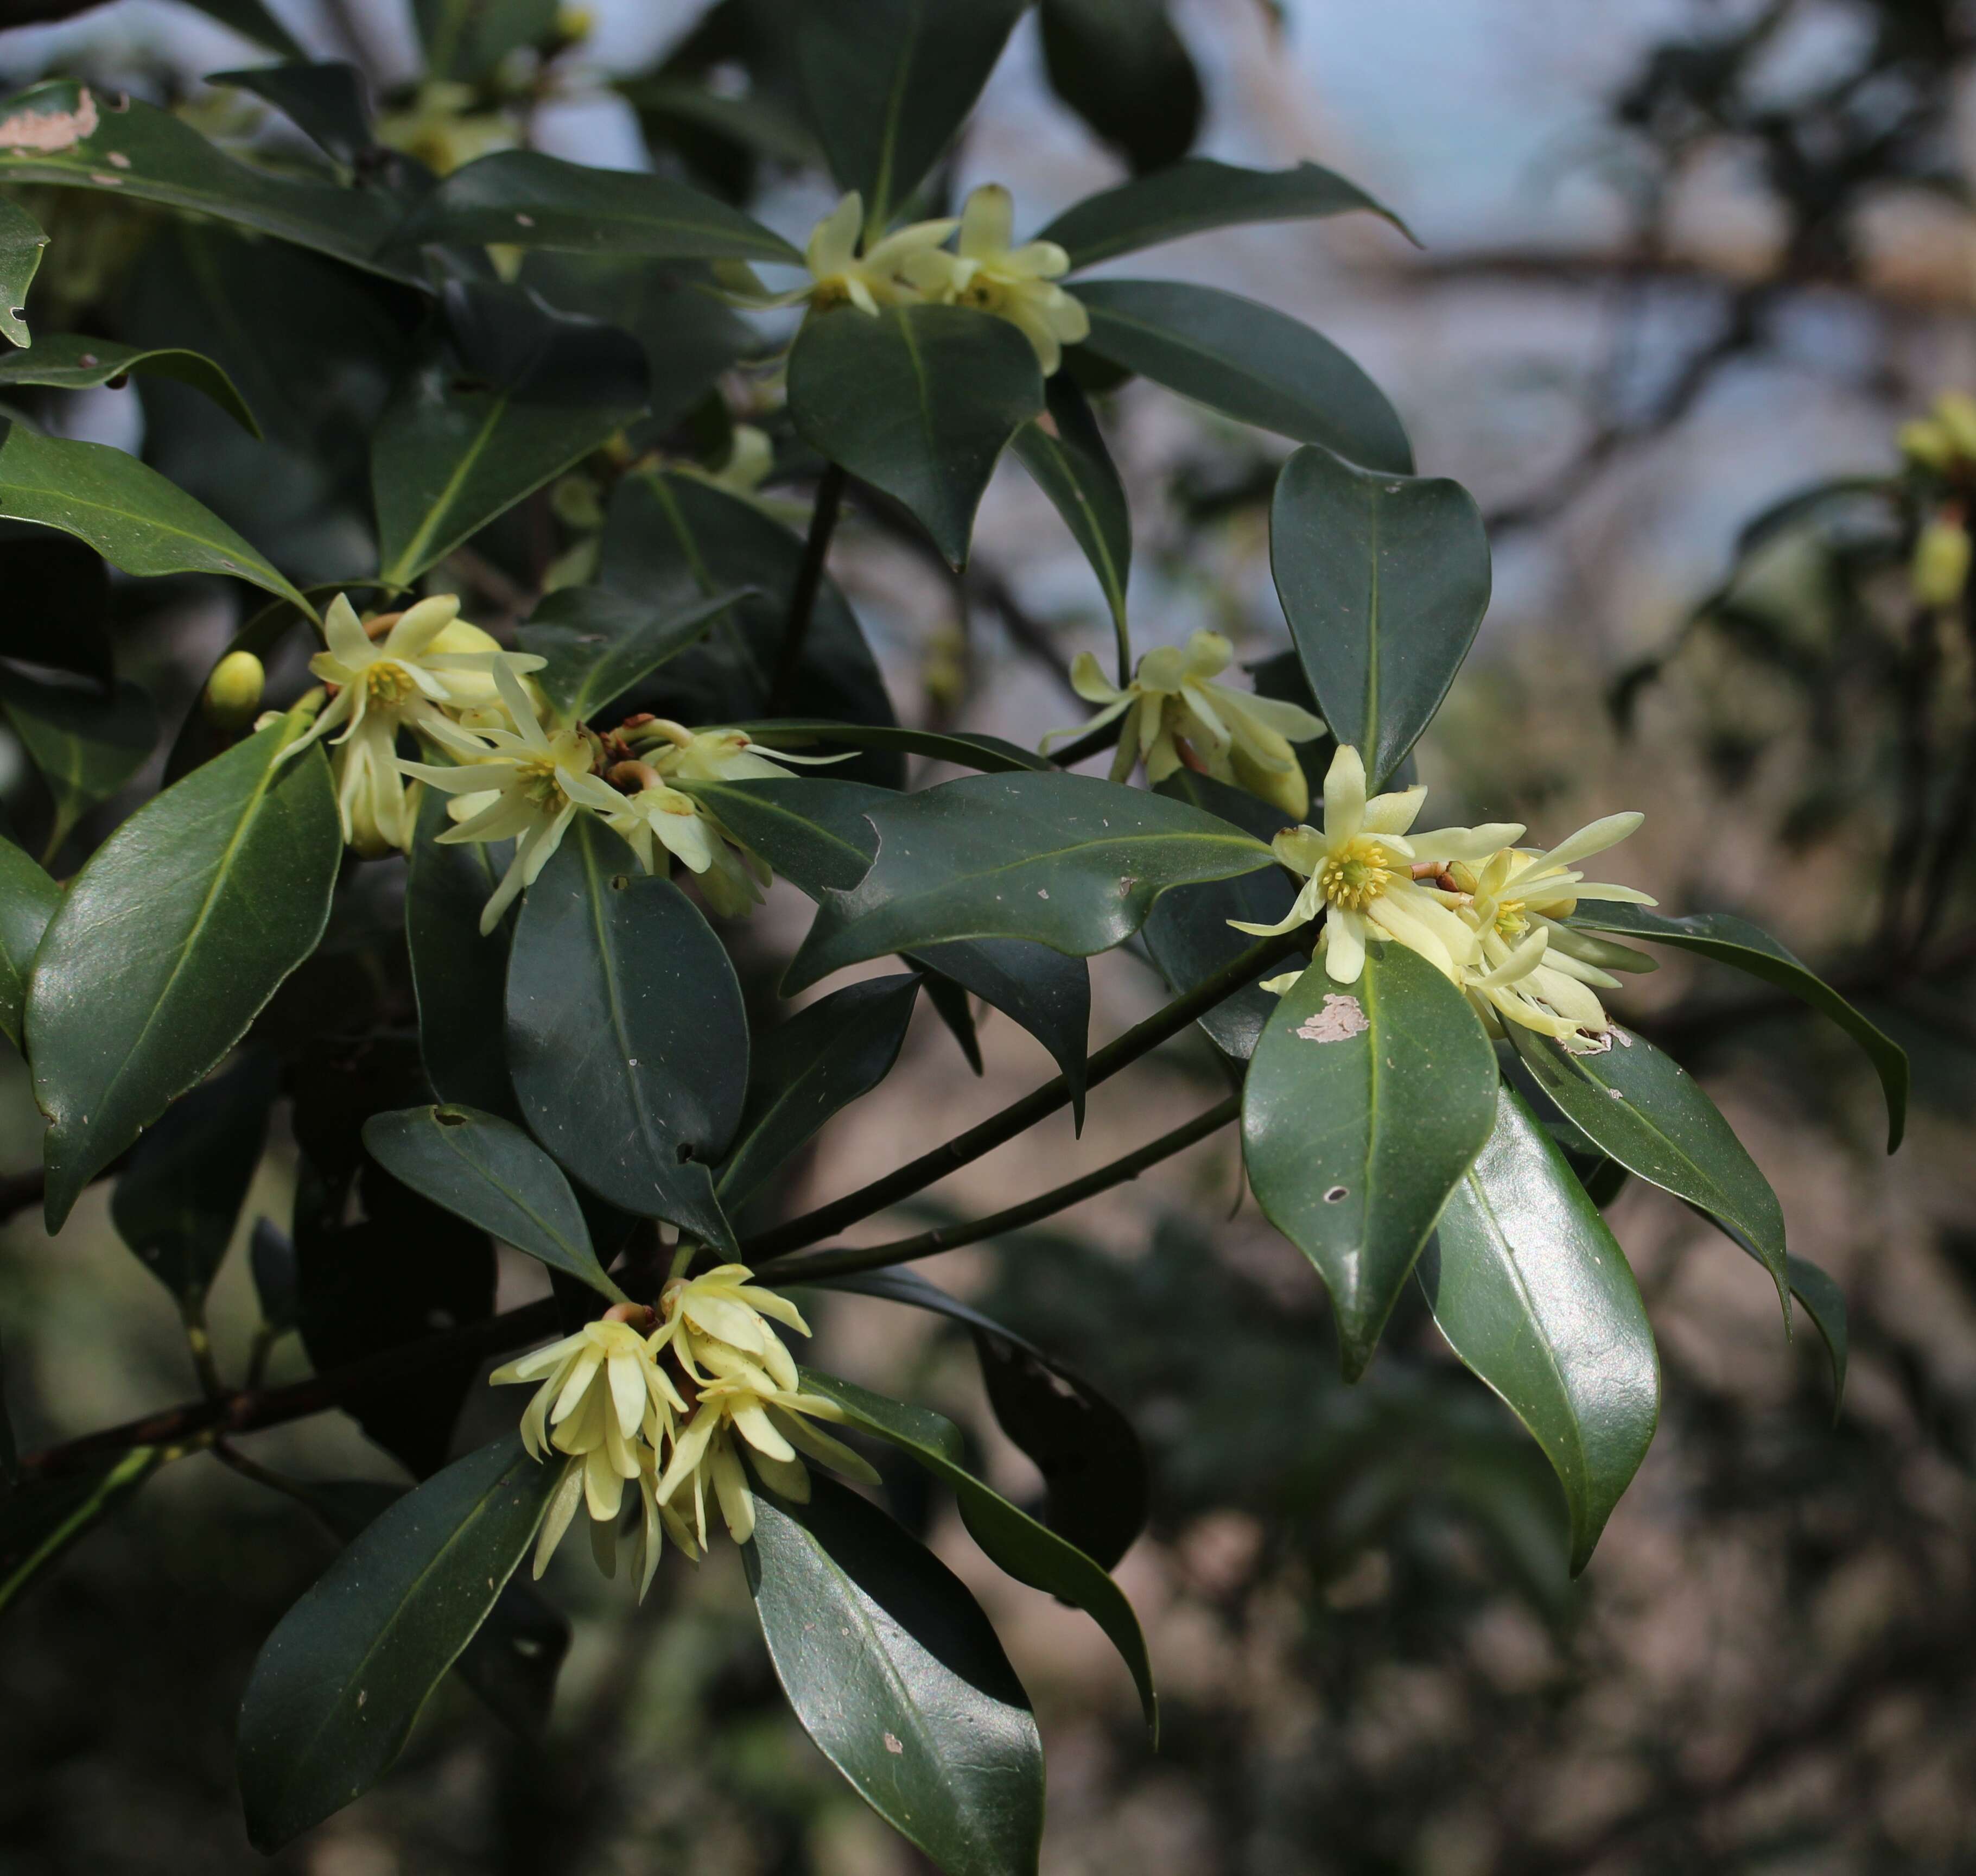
<point>1341,1018</point>
<point>49,131</point>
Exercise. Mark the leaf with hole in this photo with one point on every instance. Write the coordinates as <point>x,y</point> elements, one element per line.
<point>1363,1105</point>
<point>338,1685</point>
<point>1732,941</point>
<point>1384,579</point>
<point>919,401</point>
<point>64,361</point>
<point>627,1036</point>
<point>21,242</point>
<point>487,1171</point>
<point>898,1676</point>
<point>1534,1293</point>
<point>169,941</point>
<point>1247,361</point>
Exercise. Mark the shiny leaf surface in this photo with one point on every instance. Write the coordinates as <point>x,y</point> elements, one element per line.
<point>63,361</point>
<point>22,243</point>
<point>29,899</point>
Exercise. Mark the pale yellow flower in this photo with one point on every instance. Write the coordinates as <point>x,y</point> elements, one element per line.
<point>440,129</point>
<point>989,273</point>
<point>840,275</point>
<point>1173,709</point>
<point>1358,870</point>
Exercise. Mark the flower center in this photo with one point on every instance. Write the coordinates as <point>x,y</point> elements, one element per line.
<point>536,775</point>
<point>982,293</point>
<point>387,684</point>
<point>1354,875</point>
<point>1512,921</point>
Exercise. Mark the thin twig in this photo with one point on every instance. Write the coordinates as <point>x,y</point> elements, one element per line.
<point>802,595</point>
<point>850,1262</point>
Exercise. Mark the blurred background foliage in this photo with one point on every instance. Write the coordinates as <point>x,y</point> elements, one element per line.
<point>1683,261</point>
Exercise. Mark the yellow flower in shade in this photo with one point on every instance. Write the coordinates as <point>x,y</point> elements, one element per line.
<point>440,129</point>
<point>428,663</point>
<point>524,784</point>
<point>1359,873</point>
<point>1940,569</point>
<point>1018,284</point>
<point>839,275</point>
<point>1528,968</point>
<point>1174,710</point>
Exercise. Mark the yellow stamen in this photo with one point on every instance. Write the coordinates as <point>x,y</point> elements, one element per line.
<point>1354,876</point>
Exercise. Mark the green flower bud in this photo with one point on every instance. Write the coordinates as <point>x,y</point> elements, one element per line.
<point>1927,443</point>
<point>233,691</point>
<point>1955,411</point>
<point>1941,568</point>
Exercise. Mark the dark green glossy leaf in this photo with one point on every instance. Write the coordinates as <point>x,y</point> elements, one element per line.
<point>489,1172</point>
<point>169,941</point>
<point>1733,940</point>
<point>326,101</point>
<point>1200,193</point>
<point>890,82</point>
<point>252,21</point>
<point>815,832</point>
<point>467,39</point>
<point>919,401</point>
<point>1255,365</point>
<point>40,1520</point>
<point>1534,1295</point>
<point>1064,451</point>
<point>523,199</point>
<point>898,1676</point>
<point>64,361</point>
<point>1030,1552</point>
<point>137,151</point>
<point>952,1005</point>
<point>817,1064</point>
<point>87,745</point>
<point>1188,932</point>
<point>22,241</point>
<point>672,539</point>
<point>1365,1104</point>
<point>990,754</point>
<point>1384,579</point>
<point>340,1682</point>
<point>58,612</point>
<point>1121,66</point>
<point>129,513</point>
<point>1062,860</point>
<point>177,1201</point>
<point>271,1258</point>
<point>1093,1466</point>
<point>459,977</point>
<point>515,1654</point>
<point>627,1036</point>
<point>1825,1303</point>
<point>29,899</point>
<point>600,644</point>
<point>1643,1109</point>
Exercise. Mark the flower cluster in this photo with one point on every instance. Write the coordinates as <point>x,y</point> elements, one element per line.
<point>1943,448</point>
<point>1176,714</point>
<point>684,1408</point>
<point>1486,913</point>
<point>516,773</point>
<point>913,265</point>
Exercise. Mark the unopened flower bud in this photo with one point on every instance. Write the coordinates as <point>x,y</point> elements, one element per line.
<point>1955,411</point>
<point>1927,443</point>
<point>233,691</point>
<point>1941,569</point>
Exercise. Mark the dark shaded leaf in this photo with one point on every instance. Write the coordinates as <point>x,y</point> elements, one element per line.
<point>523,199</point>
<point>1121,66</point>
<point>1255,364</point>
<point>467,39</point>
<point>57,611</point>
<point>40,1520</point>
<point>951,1004</point>
<point>22,241</point>
<point>965,749</point>
<point>1063,860</point>
<point>1093,1466</point>
<point>1534,1295</point>
<point>252,21</point>
<point>325,101</point>
<point>1644,1110</point>
<point>1188,930</point>
<point>63,361</point>
<point>1197,194</point>
<point>890,82</point>
<point>1733,940</point>
<point>177,1201</point>
<point>815,1065</point>
<point>271,1256</point>
<point>170,940</point>
<point>600,644</point>
<point>340,1682</point>
<point>1030,1552</point>
<point>86,745</point>
<point>29,899</point>
<point>488,1172</point>
<point>1363,1105</point>
<point>1383,580</point>
<point>1064,451</point>
<point>627,1036</point>
<point>898,1676</point>
<point>129,513</point>
<point>1825,1303</point>
<point>919,401</point>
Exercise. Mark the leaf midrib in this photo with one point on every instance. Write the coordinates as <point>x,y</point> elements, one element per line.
<point>407,562</point>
